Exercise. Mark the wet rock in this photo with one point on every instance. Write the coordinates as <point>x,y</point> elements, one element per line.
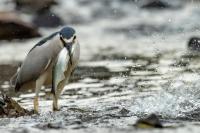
<point>194,44</point>
<point>156,4</point>
<point>152,121</point>
<point>47,19</point>
<point>34,5</point>
<point>12,27</point>
<point>2,102</point>
<point>10,108</point>
<point>13,105</point>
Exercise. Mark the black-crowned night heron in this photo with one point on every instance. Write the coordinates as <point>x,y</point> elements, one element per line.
<point>49,62</point>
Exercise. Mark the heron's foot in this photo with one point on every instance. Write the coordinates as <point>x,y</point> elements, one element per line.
<point>36,105</point>
<point>55,104</point>
<point>36,112</point>
<point>56,109</point>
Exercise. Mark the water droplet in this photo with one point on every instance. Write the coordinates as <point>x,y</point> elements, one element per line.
<point>170,20</point>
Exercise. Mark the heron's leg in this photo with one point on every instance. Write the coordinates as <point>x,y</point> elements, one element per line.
<point>55,103</point>
<point>56,96</point>
<point>36,104</point>
<point>39,83</point>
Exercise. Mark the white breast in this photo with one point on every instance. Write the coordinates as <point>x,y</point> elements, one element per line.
<point>61,66</point>
<point>62,69</point>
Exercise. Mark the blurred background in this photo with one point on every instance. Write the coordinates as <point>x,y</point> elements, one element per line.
<point>125,27</point>
<point>137,57</point>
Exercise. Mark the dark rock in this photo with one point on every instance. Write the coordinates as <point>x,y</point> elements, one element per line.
<point>34,5</point>
<point>47,19</point>
<point>156,4</point>
<point>12,27</point>
<point>2,102</point>
<point>11,108</point>
<point>194,44</point>
<point>152,121</point>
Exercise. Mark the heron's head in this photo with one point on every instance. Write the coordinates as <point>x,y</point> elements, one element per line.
<point>68,37</point>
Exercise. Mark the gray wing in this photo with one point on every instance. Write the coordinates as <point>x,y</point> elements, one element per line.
<point>36,62</point>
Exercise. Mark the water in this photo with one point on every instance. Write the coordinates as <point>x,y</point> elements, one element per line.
<point>134,62</point>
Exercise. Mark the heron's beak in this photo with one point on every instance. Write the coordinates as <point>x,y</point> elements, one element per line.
<point>68,46</point>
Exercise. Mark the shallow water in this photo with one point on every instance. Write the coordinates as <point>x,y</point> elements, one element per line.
<point>134,62</point>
